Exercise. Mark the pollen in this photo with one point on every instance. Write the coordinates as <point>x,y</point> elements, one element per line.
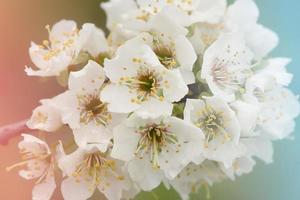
<point>93,109</point>
<point>94,167</point>
<point>211,123</point>
<point>147,83</point>
<point>166,55</point>
<point>154,138</point>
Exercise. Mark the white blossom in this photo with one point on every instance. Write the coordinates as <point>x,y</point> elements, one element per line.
<point>39,162</point>
<point>256,147</point>
<point>46,117</point>
<point>278,109</point>
<point>169,43</point>
<point>241,17</point>
<point>220,126</point>
<point>82,109</point>
<point>227,66</point>
<point>156,148</point>
<point>140,83</point>
<point>64,47</point>
<point>193,177</point>
<point>88,169</point>
<point>185,13</point>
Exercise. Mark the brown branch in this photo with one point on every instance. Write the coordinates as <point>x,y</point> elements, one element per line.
<point>12,130</point>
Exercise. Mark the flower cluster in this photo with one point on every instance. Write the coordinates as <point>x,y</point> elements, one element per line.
<point>180,93</point>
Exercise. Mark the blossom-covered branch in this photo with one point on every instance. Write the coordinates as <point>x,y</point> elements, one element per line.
<point>180,92</point>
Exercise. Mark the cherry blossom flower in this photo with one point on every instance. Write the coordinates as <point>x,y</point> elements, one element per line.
<point>140,83</point>
<point>64,48</point>
<point>156,148</point>
<point>47,116</point>
<point>38,159</point>
<point>169,43</point>
<point>278,109</point>
<point>220,126</point>
<point>82,109</point>
<point>256,147</point>
<point>241,17</point>
<point>227,66</point>
<point>193,177</point>
<point>183,12</point>
<point>88,169</point>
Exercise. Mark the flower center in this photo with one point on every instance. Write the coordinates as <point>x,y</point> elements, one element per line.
<point>211,123</point>
<point>165,55</point>
<point>146,84</point>
<point>153,139</point>
<point>93,109</point>
<point>220,74</point>
<point>226,76</point>
<point>93,167</point>
<point>55,46</point>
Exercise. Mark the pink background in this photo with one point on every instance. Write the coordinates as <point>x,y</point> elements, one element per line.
<point>22,21</point>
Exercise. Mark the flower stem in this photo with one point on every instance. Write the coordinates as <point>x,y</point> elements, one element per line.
<point>12,130</point>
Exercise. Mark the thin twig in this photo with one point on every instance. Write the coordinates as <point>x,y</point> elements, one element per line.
<point>12,130</point>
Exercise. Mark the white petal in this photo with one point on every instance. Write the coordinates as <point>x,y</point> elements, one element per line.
<point>89,79</point>
<point>44,190</point>
<point>46,118</point>
<point>210,11</point>
<point>113,188</point>
<point>243,12</point>
<point>47,67</point>
<point>242,165</point>
<point>191,142</point>
<point>142,172</point>
<point>177,88</point>
<point>119,98</point>
<point>154,107</point>
<point>33,144</point>
<point>67,104</point>
<point>34,169</point>
<point>277,68</point>
<point>261,40</point>
<point>125,142</point>
<point>124,65</point>
<point>115,9</point>
<point>225,153</point>
<point>259,147</point>
<point>232,125</point>
<point>191,106</point>
<point>59,29</point>
<point>185,53</point>
<point>247,115</point>
<point>72,190</point>
<point>68,163</point>
<point>164,24</point>
<point>97,135</point>
<point>188,76</point>
<point>93,39</point>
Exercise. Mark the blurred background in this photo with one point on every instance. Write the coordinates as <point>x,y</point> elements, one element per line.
<point>23,21</point>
